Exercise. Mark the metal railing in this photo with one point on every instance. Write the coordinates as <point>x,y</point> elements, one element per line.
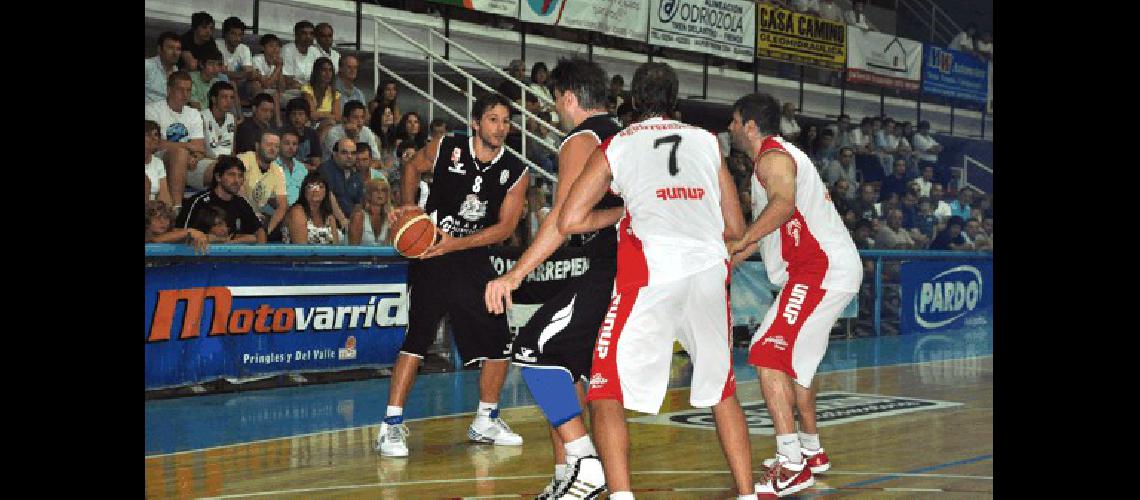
<point>964,178</point>
<point>927,9</point>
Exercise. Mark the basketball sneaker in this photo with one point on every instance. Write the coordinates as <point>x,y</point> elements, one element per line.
<point>551,488</point>
<point>392,440</point>
<point>817,460</point>
<point>493,430</point>
<point>584,481</point>
<point>784,478</point>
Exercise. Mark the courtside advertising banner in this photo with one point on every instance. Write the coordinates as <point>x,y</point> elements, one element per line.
<point>940,295</point>
<point>723,28</point>
<point>882,59</point>
<point>797,38</point>
<point>954,74</point>
<point>621,18</point>
<point>509,8</point>
<point>206,321</point>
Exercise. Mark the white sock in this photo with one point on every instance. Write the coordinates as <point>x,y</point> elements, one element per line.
<point>810,442</point>
<point>581,447</point>
<point>746,497</point>
<point>560,472</point>
<point>621,495</point>
<point>394,411</point>
<point>485,409</point>
<point>788,445</point>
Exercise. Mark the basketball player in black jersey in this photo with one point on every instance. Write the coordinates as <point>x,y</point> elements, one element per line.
<point>476,200</point>
<point>555,348</point>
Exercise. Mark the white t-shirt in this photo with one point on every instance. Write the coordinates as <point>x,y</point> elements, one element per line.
<point>263,68</point>
<point>299,65</point>
<point>219,137</point>
<point>806,5</point>
<point>986,48</point>
<point>962,41</point>
<point>943,210</point>
<point>923,186</point>
<point>175,127</point>
<point>156,172</point>
<point>332,54</point>
<point>923,142</point>
<point>237,59</point>
<point>788,126</point>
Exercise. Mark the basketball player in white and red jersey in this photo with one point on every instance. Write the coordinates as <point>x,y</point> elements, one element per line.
<point>672,272</point>
<point>808,252</point>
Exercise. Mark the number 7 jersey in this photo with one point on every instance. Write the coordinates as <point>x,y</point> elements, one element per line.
<point>667,173</point>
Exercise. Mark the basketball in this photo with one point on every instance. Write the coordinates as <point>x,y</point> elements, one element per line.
<point>415,233</point>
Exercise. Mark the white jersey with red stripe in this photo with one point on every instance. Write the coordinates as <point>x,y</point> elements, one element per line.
<point>667,173</point>
<point>813,247</point>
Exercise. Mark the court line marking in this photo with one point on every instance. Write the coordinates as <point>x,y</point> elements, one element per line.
<point>450,415</point>
<point>891,477</point>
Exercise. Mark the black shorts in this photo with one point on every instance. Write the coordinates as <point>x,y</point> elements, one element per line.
<point>453,285</point>
<point>562,333</point>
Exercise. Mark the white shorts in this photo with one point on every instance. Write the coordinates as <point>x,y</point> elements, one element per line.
<point>635,344</point>
<point>793,336</point>
<point>196,178</point>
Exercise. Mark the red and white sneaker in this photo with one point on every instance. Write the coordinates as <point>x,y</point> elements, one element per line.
<point>784,478</point>
<point>817,460</point>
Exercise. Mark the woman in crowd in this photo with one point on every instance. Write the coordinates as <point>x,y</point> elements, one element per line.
<point>808,141</point>
<point>321,93</point>
<point>538,76</point>
<point>310,220</point>
<point>160,217</point>
<point>386,94</point>
<point>411,130</point>
<point>369,223</point>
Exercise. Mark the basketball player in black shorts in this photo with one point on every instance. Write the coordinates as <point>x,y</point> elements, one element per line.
<point>555,348</point>
<point>476,200</point>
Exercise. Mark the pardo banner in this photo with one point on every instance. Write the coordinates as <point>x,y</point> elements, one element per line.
<point>240,320</point>
<point>622,18</point>
<point>945,295</point>
<point>883,59</point>
<point>509,8</point>
<point>789,36</point>
<point>955,74</point>
<point>723,28</point>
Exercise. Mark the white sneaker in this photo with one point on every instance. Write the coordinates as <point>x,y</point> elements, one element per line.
<point>493,431</point>
<point>551,488</point>
<point>392,440</point>
<point>584,481</point>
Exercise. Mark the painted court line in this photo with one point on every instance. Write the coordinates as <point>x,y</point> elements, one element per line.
<point>893,476</point>
<point>435,417</point>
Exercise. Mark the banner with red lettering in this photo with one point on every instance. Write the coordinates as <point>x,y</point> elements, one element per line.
<point>883,59</point>
<point>622,18</point>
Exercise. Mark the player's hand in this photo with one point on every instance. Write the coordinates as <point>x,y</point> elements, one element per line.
<point>499,290</point>
<point>199,241</point>
<point>739,251</point>
<point>445,245</point>
<point>397,212</point>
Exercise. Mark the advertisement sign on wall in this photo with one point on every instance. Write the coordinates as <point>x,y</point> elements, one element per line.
<point>724,28</point>
<point>240,320</point>
<point>509,8</point>
<point>945,295</point>
<point>789,36</point>
<point>883,59</point>
<point>954,74</point>
<point>622,18</point>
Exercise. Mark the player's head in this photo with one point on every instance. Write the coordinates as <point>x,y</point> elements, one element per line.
<point>654,89</point>
<point>578,85</point>
<point>490,117</point>
<point>754,117</point>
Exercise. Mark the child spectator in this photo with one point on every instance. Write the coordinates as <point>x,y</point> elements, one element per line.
<point>158,228</point>
<point>155,170</point>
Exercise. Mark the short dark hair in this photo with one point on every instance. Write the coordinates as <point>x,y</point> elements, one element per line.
<point>826,132</point>
<point>298,103</point>
<point>178,76</point>
<point>302,25</point>
<point>224,163</point>
<point>351,106</point>
<point>538,66</point>
<point>267,131</point>
<point>436,123</point>
<point>289,131</point>
<point>363,147</point>
<point>215,89</point>
<point>763,109</point>
<point>924,125</point>
<point>211,53</point>
<point>231,23</point>
<point>486,102</point>
<point>200,19</point>
<point>260,98</point>
<point>654,89</point>
<point>151,126</point>
<point>586,79</point>
<point>323,25</point>
<point>268,39</point>
<point>209,216</point>
<point>617,79</point>
<point>168,35</point>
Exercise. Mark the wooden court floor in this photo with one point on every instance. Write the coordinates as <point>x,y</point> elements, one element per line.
<point>931,438</point>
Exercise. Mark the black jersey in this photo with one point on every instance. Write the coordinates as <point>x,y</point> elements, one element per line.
<point>466,194</point>
<point>600,244</point>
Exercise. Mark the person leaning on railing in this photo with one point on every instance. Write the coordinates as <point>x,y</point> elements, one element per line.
<point>369,224</point>
<point>159,219</point>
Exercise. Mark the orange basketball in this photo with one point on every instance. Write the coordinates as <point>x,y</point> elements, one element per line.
<point>415,233</point>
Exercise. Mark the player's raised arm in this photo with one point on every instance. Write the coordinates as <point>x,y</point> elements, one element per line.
<point>776,171</point>
<point>590,186</point>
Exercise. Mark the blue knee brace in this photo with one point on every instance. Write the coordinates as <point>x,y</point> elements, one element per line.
<point>553,390</point>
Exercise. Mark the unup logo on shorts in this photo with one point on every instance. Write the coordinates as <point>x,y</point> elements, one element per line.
<point>608,328</point>
<point>795,303</point>
<point>951,294</point>
<point>386,306</point>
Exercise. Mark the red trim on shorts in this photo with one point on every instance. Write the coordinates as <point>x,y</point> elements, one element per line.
<point>730,382</point>
<point>632,269</point>
<point>774,349</point>
<point>605,383</point>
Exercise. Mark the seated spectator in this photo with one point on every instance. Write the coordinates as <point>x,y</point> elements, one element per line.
<point>324,46</point>
<point>857,16</point>
<point>984,202</point>
<point>269,76</point>
<point>517,70</point>
<point>892,236</point>
<point>976,237</point>
<point>196,41</point>
<point>951,238</point>
<point>896,183</point>
<point>536,211</point>
<point>211,63</point>
<point>224,194</point>
<point>438,129</point>
<point>298,57</point>
<point>321,93</point>
<point>843,131</point>
<point>383,125</point>
<point>346,81</point>
<point>618,92</point>
<point>410,129</point>
<point>862,236</point>
<point>626,114</point>
<point>218,124</point>
<point>538,76</point>
<point>352,127</point>
<point>309,150</point>
<point>961,206</point>
<point>386,94</point>
<point>926,181</point>
<point>345,184</point>
<point>841,193</point>
<point>789,127</point>
<point>828,10</point>
<point>311,219</point>
<point>823,151</point>
<point>862,138</point>
<point>843,169</point>
<point>238,60</point>
<point>295,171</point>
<point>925,223</point>
<point>884,207</point>
<point>161,66</point>
<point>248,133</point>
<point>985,46</point>
<point>806,6</point>
<point>865,205</point>
<point>159,218</point>
<point>941,208</point>
<point>988,227</point>
<point>964,41</point>
<point>183,141</point>
<point>265,183</point>
<point>927,150</point>
<point>155,170</point>
<point>372,214</point>
<point>912,220</point>
<point>808,140</point>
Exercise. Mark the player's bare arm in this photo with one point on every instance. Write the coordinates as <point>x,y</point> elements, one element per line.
<point>777,173</point>
<point>576,215</point>
<point>420,163</point>
<point>730,204</point>
<point>509,214</point>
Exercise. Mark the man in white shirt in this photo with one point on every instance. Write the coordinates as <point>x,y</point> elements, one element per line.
<point>238,59</point>
<point>269,68</point>
<point>789,129</point>
<point>942,209</point>
<point>324,45</point>
<point>828,10</point>
<point>355,129</point>
<point>857,16</point>
<point>219,124</point>
<point>183,141</point>
<point>159,67</point>
<point>927,149</point>
<point>986,45</point>
<point>806,6</point>
<point>298,57</point>
<point>926,181</point>
<point>964,41</point>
